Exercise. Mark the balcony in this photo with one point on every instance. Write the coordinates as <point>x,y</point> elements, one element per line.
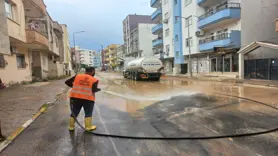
<point>37,39</point>
<point>225,14</point>
<point>224,40</point>
<point>34,8</point>
<point>58,27</point>
<point>158,42</point>
<point>277,24</point>
<point>208,3</point>
<point>155,3</point>
<point>157,14</point>
<point>157,29</point>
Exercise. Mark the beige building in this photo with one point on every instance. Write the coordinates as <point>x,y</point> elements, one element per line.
<point>32,43</point>
<point>67,51</point>
<point>110,53</point>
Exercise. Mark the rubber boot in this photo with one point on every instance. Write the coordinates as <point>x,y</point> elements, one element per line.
<point>88,124</point>
<point>71,124</point>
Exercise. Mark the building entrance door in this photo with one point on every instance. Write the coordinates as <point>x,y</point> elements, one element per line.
<point>184,68</point>
<point>274,69</point>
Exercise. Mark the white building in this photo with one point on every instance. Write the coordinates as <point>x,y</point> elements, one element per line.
<point>208,29</point>
<point>86,56</point>
<point>141,39</point>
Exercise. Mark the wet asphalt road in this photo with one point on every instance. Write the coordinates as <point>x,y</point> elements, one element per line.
<point>169,108</point>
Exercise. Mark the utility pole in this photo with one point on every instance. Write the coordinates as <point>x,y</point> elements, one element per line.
<point>102,57</point>
<point>189,49</point>
<point>76,66</point>
<point>188,42</point>
<point>1,136</point>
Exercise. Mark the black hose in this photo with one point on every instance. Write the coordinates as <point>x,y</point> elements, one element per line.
<point>183,138</point>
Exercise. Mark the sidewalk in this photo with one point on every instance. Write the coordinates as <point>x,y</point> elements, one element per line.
<point>267,83</point>
<point>19,103</point>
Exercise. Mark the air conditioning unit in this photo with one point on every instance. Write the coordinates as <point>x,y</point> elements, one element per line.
<point>13,50</point>
<point>199,33</point>
<point>166,21</point>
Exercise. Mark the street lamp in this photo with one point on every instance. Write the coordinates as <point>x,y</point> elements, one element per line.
<point>76,70</point>
<point>189,46</point>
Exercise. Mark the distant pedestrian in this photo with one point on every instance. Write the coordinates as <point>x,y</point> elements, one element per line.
<point>84,87</point>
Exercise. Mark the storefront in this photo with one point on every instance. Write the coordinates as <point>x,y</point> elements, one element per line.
<point>256,64</point>
<point>224,62</point>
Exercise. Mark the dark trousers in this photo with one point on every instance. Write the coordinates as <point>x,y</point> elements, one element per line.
<point>77,104</point>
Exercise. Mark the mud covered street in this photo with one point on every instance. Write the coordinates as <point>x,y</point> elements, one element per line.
<point>168,108</point>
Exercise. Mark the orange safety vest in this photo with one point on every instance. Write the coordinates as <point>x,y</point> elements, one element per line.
<point>82,87</point>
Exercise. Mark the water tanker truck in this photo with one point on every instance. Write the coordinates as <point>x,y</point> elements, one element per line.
<point>148,68</point>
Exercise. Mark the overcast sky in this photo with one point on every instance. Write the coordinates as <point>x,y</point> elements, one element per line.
<point>100,19</point>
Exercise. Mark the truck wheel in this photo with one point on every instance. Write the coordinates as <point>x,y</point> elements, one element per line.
<point>136,77</point>
<point>156,79</point>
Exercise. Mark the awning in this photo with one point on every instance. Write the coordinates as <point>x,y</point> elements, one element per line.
<point>255,45</point>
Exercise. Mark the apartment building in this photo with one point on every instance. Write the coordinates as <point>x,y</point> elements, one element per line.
<point>97,60</point>
<point>85,56</point>
<point>15,63</point>
<point>110,53</point>
<point>219,36</point>
<point>120,57</point>
<point>31,42</point>
<point>163,45</point>
<point>201,36</point>
<point>67,51</point>
<point>141,39</point>
<point>131,32</point>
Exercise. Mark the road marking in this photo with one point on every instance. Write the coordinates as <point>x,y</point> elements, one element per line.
<point>112,142</point>
<point>27,123</point>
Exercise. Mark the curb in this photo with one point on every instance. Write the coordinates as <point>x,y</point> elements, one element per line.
<point>19,130</point>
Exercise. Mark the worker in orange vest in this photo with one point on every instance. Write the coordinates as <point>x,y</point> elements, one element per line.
<point>84,87</point>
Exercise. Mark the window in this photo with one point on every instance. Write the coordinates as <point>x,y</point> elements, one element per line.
<point>187,2</point>
<point>167,32</point>
<point>165,1</point>
<point>188,21</point>
<point>175,2</point>
<point>8,9</point>
<point>189,41</point>
<point>166,15</point>
<point>2,61</point>
<point>176,38</point>
<point>177,53</point>
<point>167,49</point>
<point>176,20</point>
<point>20,59</point>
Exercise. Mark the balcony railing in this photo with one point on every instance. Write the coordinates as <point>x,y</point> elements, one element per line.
<point>218,9</point>
<point>208,3</point>
<point>155,3</point>
<point>34,37</point>
<point>215,38</point>
<point>231,40</point>
<point>224,14</point>
<point>157,13</point>
<point>157,42</point>
<point>157,28</point>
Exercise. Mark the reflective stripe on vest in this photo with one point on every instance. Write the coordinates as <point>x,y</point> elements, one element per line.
<point>82,87</point>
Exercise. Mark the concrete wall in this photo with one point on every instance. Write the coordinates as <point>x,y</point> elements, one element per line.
<point>258,24</point>
<point>66,40</point>
<point>145,38</point>
<point>194,10</point>
<point>4,38</point>
<point>168,40</point>
<point>16,25</point>
<point>11,73</point>
<point>200,64</point>
<point>44,64</point>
